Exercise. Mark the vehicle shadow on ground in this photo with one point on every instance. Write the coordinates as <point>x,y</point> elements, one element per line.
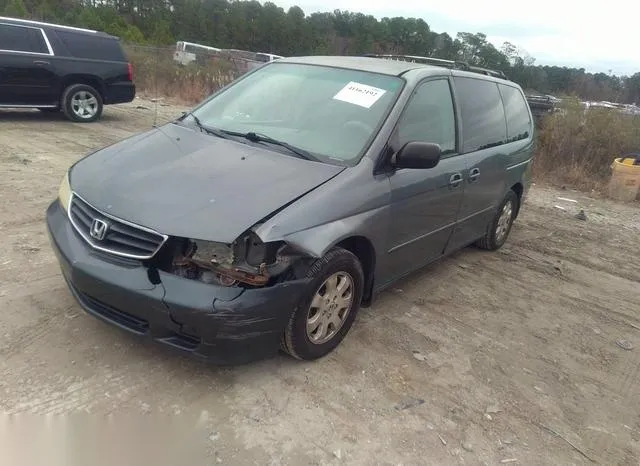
<point>36,116</point>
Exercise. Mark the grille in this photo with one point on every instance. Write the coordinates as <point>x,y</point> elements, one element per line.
<point>118,237</point>
<point>133,323</point>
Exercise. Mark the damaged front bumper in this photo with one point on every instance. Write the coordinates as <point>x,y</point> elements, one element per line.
<point>226,325</point>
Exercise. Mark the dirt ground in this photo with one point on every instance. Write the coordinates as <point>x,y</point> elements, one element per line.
<point>511,357</point>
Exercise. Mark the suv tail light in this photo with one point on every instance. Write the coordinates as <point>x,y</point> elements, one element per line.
<point>130,71</point>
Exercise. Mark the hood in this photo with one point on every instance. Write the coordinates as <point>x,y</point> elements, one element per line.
<point>181,182</point>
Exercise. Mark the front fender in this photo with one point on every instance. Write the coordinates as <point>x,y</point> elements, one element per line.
<point>317,241</point>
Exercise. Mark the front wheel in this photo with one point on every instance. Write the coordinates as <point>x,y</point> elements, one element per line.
<point>81,103</point>
<point>327,310</point>
<point>500,226</point>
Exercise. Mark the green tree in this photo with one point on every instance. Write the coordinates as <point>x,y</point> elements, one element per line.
<point>16,9</point>
<point>252,25</point>
<point>161,34</point>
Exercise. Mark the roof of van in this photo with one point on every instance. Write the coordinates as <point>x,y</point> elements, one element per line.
<point>391,67</point>
<point>375,65</point>
<point>27,22</point>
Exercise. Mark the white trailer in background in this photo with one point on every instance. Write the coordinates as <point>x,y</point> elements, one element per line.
<point>186,52</point>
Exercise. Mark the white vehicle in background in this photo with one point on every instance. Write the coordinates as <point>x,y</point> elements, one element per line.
<point>266,57</point>
<point>187,52</point>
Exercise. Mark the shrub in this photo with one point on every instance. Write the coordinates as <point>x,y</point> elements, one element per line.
<point>577,147</point>
<point>158,75</point>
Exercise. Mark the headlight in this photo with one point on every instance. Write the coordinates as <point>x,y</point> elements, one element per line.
<point>248,260</point>
<point>64,192</point>
<point>247,252</point>
<point>208,252</point>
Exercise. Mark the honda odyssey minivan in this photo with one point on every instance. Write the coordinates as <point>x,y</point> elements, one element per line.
<point>269,214</point>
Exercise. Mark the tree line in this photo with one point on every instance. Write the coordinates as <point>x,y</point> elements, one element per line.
<point>251,25</point>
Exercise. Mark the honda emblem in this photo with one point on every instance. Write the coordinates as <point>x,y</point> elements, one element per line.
<point>98,229</point>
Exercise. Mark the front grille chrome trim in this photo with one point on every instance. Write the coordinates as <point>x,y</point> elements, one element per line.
<point>114,252</point>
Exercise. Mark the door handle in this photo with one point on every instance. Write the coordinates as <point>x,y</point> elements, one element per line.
<point>474,174</point>
<point>40,62</point>
<point>455,180</point>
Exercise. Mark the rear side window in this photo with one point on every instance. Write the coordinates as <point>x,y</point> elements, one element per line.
<point>515,107</point>
<point>22,39</point>
<point>483,119</point>
<point>429,117</point>
<point>90,46</point>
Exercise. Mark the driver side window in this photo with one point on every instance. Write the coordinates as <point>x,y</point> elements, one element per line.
<point>429,117</point>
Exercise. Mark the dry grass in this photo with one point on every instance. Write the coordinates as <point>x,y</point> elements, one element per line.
<point>157,75</point>
<point>577,148</point>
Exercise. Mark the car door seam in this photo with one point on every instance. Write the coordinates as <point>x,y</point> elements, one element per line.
<point>418,238</point>
<point>474,214</point>
<point>511,167</point>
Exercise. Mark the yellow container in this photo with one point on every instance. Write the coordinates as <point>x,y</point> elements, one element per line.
<point>625,179</point>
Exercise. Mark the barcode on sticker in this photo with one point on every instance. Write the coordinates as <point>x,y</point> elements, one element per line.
<point>359,94</point>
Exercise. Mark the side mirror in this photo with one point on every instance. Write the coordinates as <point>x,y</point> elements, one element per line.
<point>415,154</point>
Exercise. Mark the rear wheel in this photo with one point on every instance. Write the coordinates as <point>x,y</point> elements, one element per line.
<point>499,228</point>
<point>81,103</point>
<point>327,310</point>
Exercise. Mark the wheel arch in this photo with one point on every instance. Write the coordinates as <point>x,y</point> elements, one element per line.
<point>363,249</point>
<point>81,78</point>
<point>518,188</point>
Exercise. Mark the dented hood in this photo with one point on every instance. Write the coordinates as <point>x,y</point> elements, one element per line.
<point>185,183</point>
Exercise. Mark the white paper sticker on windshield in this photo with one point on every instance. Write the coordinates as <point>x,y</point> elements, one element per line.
<point>359,94</point>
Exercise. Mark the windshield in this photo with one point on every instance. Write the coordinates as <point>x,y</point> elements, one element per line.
<point>330,112</point>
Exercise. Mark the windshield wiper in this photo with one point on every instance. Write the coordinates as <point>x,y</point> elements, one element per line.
<point>253,137</point>
<point>258,137</point>
<point>208,129</point>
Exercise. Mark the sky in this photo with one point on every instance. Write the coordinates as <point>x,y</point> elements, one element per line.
<point>597,36</point>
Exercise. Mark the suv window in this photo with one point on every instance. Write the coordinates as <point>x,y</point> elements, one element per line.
<point>515,107</point>
<point>429,117</point>
<point>96,47</point>
<point>483,118</point>
<point>22,39</point>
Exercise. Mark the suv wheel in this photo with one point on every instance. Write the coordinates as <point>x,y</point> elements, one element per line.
<point>81,103</point>
<point>327,310</point>
<point>499,228</point>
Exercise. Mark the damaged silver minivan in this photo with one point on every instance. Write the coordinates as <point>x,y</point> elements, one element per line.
<point>275,209</point>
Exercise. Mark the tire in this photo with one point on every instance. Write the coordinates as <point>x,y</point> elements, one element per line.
<point>499,228</point>
<point>297,341</point>
<point>81,103</point>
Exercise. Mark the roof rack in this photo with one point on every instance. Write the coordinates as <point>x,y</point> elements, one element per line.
<point>40,23</point>
<point>453,64</point>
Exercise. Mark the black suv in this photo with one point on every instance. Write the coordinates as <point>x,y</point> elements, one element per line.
<point>53,68</point>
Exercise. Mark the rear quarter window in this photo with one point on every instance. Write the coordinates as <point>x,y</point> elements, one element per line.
<point>517,112</point>
<point>22,39</point>
<point>93,47</point>
<point>483,117</point>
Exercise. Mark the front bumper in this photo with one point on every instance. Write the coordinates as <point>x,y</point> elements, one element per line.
<point>224,325</point>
